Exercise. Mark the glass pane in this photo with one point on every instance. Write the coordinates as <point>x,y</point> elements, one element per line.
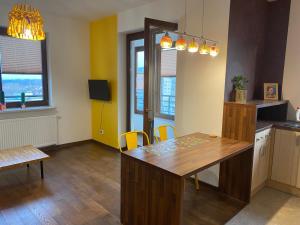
<point>137,86</point>
<point>167,97</point>
<point>14,84</point>
<point>168,82</point>
<point>139,82</point>
<point>165,84</point>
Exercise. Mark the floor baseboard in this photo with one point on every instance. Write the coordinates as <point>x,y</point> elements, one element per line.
<point>284,187</point>
<point>67,145</point>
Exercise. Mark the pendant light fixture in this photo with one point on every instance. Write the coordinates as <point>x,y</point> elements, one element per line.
<point>166,41</point>
<point>181,44</point>
<point>25,22</point>
<point>193,46</point>
<point>207,46</point>
<point>204,49</point>
<point>214,51</point>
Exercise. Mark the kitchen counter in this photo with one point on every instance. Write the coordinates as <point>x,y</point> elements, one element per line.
<point>284,125</point>
<point>263,125</point>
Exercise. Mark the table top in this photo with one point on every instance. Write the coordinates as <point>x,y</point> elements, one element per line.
<point>17,156</point>
<point>183,156</point>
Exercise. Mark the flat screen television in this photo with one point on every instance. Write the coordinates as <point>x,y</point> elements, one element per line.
<point>99,90</point>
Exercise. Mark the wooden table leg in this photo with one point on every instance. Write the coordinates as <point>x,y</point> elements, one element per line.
<point>149,195</point>
<point>236,176</point>
<point>42,169</point>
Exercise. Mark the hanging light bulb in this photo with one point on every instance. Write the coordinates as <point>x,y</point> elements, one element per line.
<point>204,49</point>
<point>166,41</point>
<point>181,44</point>
<point>25,22</point>
<point>193,46</point>
<point>214,50</point>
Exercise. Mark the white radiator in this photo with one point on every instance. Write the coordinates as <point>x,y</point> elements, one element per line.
<point>37,131</point>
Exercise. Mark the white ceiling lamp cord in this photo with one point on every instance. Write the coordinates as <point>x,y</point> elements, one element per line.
<point>184,33</point>
<point>202,30</point>
<point>185,17</point>
<point>208,46</point>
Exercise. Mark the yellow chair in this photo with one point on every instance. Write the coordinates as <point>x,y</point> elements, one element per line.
<point>132,139</point>
<point>161,134</point>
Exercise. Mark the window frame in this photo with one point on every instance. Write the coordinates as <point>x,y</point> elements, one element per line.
<point>45,101</point>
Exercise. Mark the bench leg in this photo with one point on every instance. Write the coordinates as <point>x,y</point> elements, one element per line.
<point>42,169</point>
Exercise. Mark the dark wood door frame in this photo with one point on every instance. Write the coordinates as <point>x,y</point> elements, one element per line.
<point>163,25</point>
<point>129,39</point>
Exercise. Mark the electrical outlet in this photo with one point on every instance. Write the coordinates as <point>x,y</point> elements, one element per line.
<point>102,131</point>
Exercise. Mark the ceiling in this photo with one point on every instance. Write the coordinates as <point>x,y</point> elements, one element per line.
<point>82,9</point>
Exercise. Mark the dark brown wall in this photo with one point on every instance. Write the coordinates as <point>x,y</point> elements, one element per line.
<point>275,47</point>
<point>245,41</point>
<point>256,43</point>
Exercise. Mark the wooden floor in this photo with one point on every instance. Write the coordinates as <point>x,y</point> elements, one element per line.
<point>82,187</point>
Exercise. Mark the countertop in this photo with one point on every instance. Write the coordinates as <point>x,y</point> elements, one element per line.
<point>183,156</point>
<point>285,125</point>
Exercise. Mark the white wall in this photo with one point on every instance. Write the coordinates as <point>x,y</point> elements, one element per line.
<point>69,70</point>
<point>291,77</point>
<point>133,19</point>
<point>200,79</point>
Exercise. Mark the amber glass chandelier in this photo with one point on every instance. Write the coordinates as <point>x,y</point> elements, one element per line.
<point>201,44</point>
<point>25,22</point>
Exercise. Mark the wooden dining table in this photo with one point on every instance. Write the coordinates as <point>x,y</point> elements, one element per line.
<point>153,177</point>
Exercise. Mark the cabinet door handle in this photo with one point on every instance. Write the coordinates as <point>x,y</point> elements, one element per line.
<point>260,152</point>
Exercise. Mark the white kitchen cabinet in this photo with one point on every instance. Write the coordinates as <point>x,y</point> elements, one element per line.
<point>286,164</point>
<point>261,159</point>
<point>255,169</point>
<point>265,156</point>
<point>298,148</point>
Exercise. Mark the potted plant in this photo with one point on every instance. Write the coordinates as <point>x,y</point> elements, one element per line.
<point>239,84</point>
<point>23,102</point>
<point>2,101</point>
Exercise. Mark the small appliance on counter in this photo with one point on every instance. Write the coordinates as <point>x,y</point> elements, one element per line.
<point>298,114</point>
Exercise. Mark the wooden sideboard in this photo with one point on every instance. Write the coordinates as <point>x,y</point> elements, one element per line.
<point>241,121</point>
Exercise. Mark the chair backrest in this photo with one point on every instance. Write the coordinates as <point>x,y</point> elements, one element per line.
<point>161,132</point>
<point>132,139</point>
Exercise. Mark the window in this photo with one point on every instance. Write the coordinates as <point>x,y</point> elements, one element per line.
<point>166,101</point>
<point>167,95</point>
<point>139,80</point>
<point>167,83</point>
<point>23,69</point>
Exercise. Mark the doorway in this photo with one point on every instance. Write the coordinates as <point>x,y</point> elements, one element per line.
<point>151,82</point>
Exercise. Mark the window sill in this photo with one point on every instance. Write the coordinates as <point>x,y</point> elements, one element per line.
<point>29,109</point>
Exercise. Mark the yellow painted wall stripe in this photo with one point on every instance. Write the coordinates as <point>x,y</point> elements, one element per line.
<point>104,66</point>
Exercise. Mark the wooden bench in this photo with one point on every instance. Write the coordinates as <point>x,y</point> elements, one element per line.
<point>16,157</point>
